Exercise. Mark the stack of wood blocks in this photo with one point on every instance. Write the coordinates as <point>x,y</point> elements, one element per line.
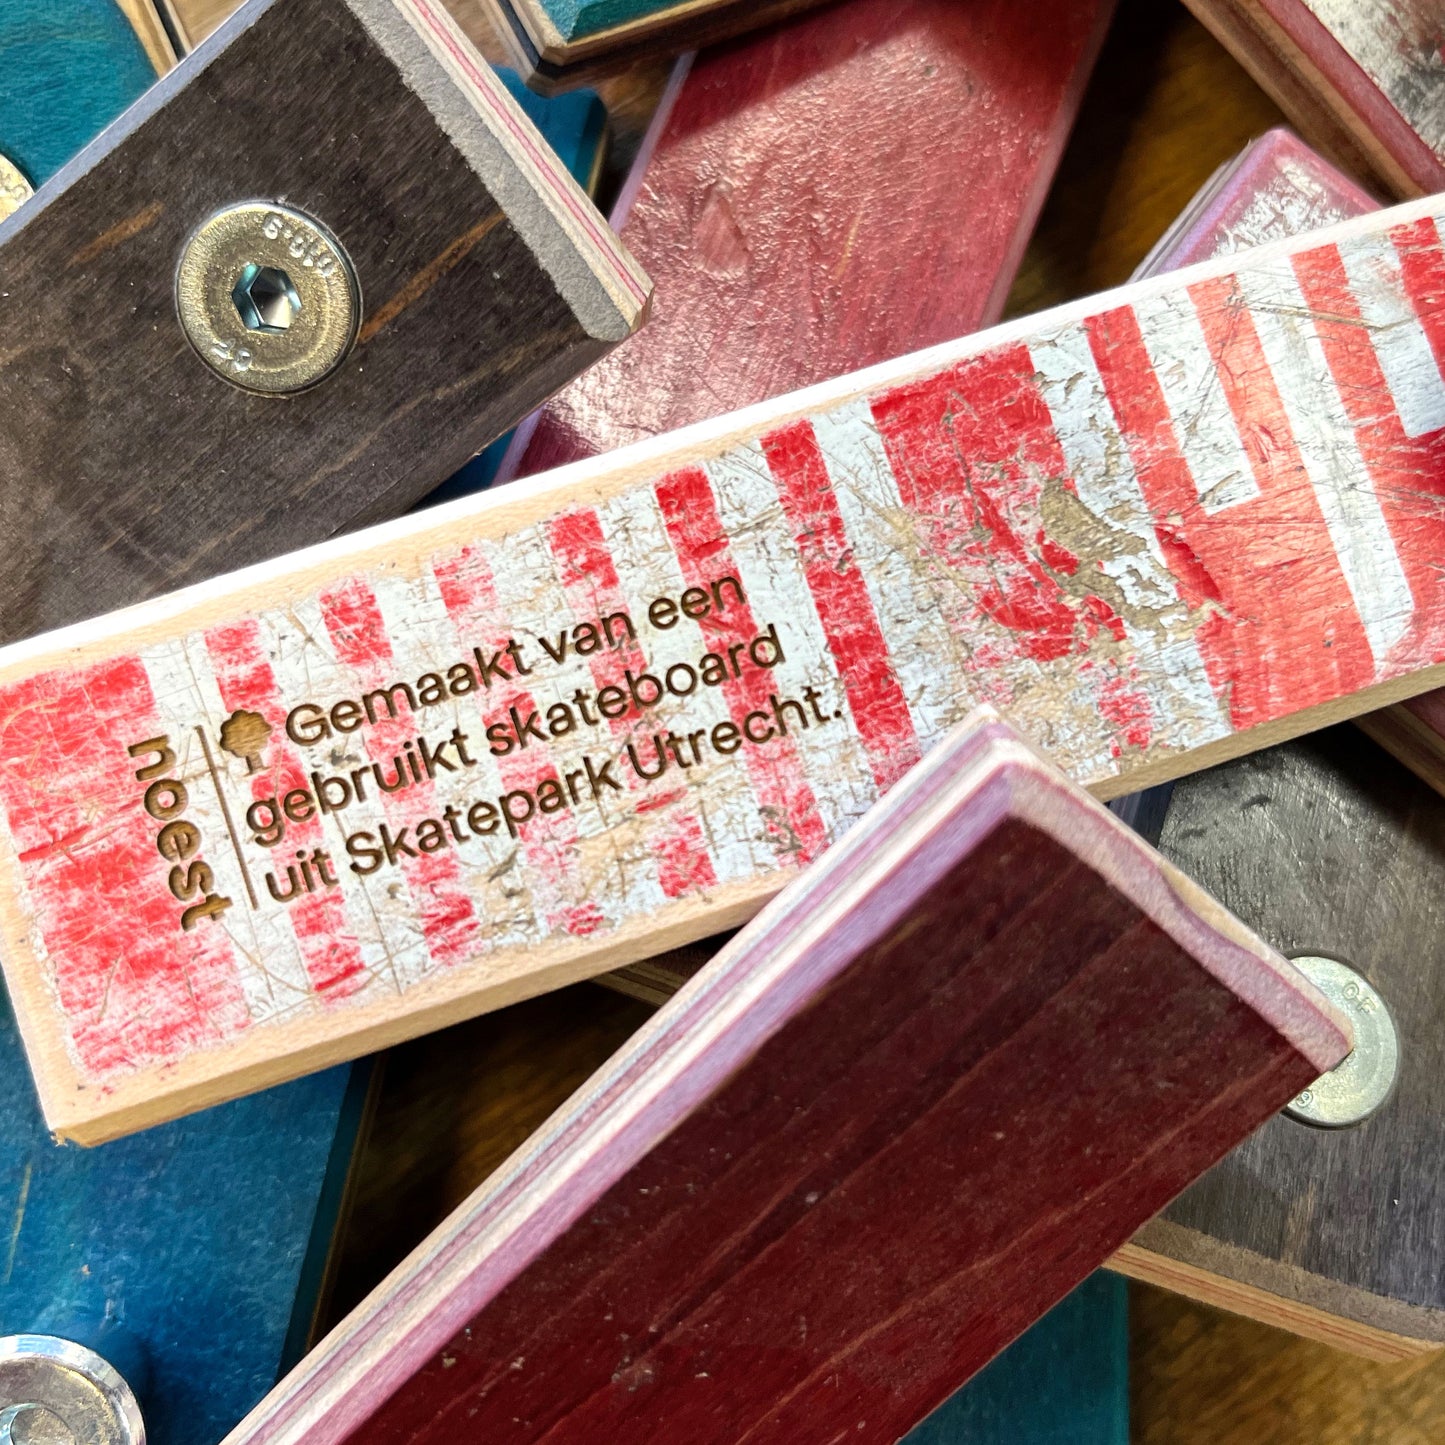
<point>826,607</point>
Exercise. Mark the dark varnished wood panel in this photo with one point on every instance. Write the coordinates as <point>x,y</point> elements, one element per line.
<point>1328,846</point>
<point>126,466</point>
<point>952,1067</point>
<point>850,187</point>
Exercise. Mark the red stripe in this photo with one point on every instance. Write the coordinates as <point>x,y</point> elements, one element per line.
<point>134,989</point>
<point>550,840</point>
<point>358,635</point>
<point>880,711</point>
<point>329,950</point>
<point>1407,474</point>
<point>1282,632</point>
<point>1422,267</point>
<point>972,451</point>
<point>594,590</point>
<point>775,768</point>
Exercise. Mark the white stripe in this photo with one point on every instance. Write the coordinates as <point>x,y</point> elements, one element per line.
<point>616,871</point>
<point>1189,379</point>
<point>921,644</point>
<point>835,761</point>
<point>718,792</point>
<point>1336,470</point>
<point>1146,593</point>
<point>379,910</point>
<point>1373,268</point>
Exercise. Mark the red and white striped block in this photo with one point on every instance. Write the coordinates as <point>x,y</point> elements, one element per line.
<point>1155,530</point>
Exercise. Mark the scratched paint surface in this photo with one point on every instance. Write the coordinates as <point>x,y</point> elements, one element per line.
<point>1398,44</point>
<point>1135,534</point>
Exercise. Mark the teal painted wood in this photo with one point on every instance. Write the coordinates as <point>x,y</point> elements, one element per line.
<point>193,1248</point>
<point>67,69</point>
<point>577,19</point>
<point>1066,1382</point>
<point>575,126</point>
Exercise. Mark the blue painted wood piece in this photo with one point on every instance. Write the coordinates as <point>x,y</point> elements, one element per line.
<point>200,1241</point>
<point>67,69</point>
<point>575,125</point>
<point>1066,1382</point>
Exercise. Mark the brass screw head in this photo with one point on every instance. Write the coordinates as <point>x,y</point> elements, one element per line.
<point>1358,1087</point>
<point>268,297</point>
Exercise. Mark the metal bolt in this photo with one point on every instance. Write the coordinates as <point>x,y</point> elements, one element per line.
<point>1354,1090</point>
<point>268,297</point>
<point>55,1392</point>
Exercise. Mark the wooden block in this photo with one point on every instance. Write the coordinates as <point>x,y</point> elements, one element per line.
<point>202,1239</point>
<point>908,151</point>
<point>1325,846</point>
<point>1360,78</point>
<point>70,67</point>
<point>487,280</point>
<point>991,1000</point>
<point>1063,516</point>
<point>556,43</point>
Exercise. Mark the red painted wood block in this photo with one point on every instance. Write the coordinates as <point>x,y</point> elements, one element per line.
<point>530,737</point>
<point>935,1084</point>
<point>1362,78</point>
<point>853,186</point>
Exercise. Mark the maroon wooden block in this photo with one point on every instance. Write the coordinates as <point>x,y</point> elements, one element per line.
<point>935,1084</point>
<point>1277,187</point>
<point>855,185</point>
<point>1361,78</point>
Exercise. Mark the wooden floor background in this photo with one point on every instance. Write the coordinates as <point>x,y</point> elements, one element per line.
<point>1168,106</point>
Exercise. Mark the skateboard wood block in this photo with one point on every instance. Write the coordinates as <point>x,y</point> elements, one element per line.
<point>1361,78</point>
<point>854,186</point>
<point>1326,846</point>
<point>556,43</point>
<point>1139,621</point>
<point>488,279</point>
<point>992,1000</point>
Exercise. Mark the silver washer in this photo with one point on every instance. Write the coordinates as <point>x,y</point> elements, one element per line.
<point>268,297</point>
<point>1350,1093</point>
<point>54,1392</point>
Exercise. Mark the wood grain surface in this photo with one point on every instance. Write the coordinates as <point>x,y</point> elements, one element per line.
<point>1361,78</point>
<point>1327,846</point>
<point>1076,1032</point>
<point>103,397</point>
<point>580,854</point>
<point>560,43</point>
<point>848,188</point>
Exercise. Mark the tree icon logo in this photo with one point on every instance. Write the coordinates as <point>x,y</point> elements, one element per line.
<point>245,735</point>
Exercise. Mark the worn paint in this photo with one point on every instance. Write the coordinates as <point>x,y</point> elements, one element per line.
<point>1138,532</point>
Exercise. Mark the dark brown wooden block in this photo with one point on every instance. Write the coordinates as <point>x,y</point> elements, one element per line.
<point>127,465</point>
<point>925,1092</point>
<point>1325,845</point>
